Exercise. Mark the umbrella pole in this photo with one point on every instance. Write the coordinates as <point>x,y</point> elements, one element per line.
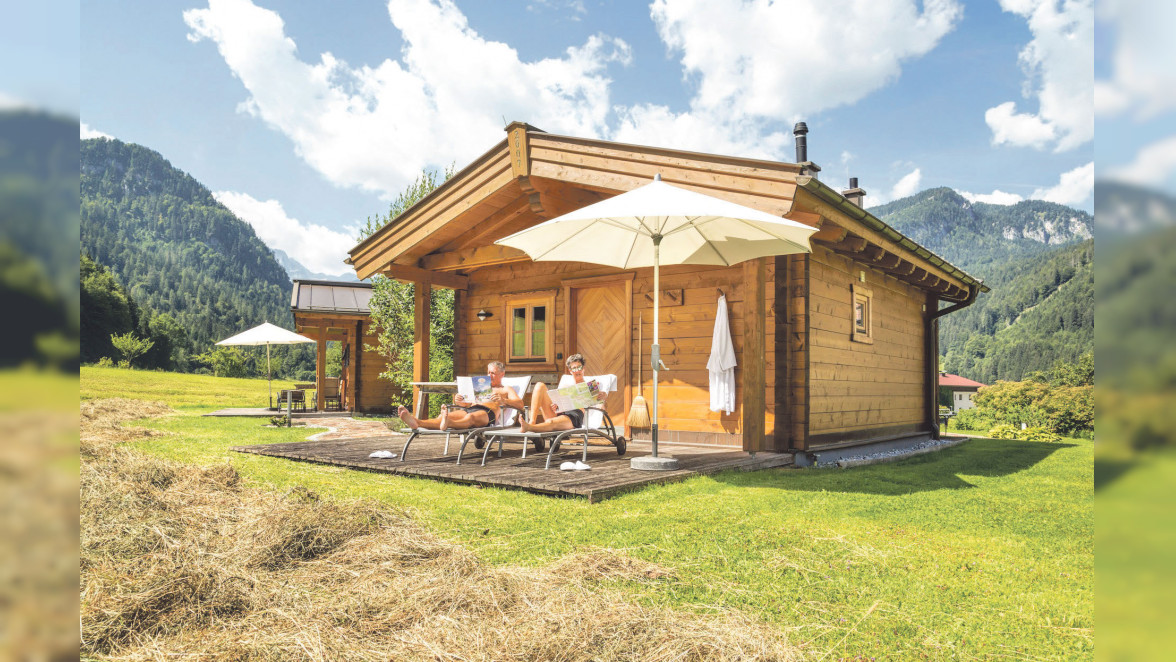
<point>653,462</point>
<point>655,351</point>
<point>268,376</point>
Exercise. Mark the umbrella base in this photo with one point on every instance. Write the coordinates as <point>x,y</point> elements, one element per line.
<point>651,463</point>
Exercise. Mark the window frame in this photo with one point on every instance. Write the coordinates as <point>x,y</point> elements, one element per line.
<point>866,297</point>
<point>530,301</point>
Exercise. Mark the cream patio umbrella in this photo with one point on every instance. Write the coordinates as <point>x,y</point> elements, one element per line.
<point>659,224</point>
<point>266,334</point>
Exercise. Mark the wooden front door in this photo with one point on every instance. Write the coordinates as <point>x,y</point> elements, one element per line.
<point>599,327</point>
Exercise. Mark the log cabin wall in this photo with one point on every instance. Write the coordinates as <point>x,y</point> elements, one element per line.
<point>857,390</point>
<point>688,307</point>
<point>373,394</point>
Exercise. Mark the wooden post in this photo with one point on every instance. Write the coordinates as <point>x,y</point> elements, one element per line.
<point>752,362</point>
<point>931,356</point>
<point>420,346</point>
<point>320,369</point>
<point>782,367</point>
<point>459,333</point>
<point>352,355</point>
<point>355,354</point>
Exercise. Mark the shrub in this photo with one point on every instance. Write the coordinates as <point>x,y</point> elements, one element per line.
<point>1039,434</point>
<point>105,362</point>
<point>973,419</point>
<point>278,421</point>
<point>1003,431</point>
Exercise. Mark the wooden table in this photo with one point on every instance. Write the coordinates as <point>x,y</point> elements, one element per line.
<point>431,387</point>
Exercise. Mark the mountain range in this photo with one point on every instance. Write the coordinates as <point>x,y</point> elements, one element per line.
<point>1037,259</point>
<point>38,207</point>
<point>176,250</point>
<point>298,271</point>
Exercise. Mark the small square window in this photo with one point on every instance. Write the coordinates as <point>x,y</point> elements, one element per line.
<point>528,333</point>
<point>863,314</point>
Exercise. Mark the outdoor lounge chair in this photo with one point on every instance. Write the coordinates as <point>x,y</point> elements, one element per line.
<point>597,424</point>
<point>509,415</point>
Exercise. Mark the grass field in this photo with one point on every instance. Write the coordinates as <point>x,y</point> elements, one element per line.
<point>984,550</point>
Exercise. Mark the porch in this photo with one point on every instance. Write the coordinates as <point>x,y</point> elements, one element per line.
<point>610,474</point>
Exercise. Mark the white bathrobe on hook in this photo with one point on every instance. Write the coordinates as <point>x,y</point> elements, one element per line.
<point>722,363</point>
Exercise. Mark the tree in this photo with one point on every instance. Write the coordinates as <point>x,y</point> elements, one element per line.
<point>226,362</point>
<point>130,347</point>
<point>392,306</point>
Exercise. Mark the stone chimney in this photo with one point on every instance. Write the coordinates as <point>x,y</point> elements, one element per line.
<point>806,167</point>
<point>854,194</point>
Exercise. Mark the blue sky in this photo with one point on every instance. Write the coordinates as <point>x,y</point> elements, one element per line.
<point>39,52</point>
<point>307,117</point>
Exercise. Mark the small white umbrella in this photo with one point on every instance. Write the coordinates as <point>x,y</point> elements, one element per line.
<point>266,334</point>
<point>660,224</point>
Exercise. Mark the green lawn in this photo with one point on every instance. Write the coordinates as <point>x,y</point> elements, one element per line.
<point>983,550</point>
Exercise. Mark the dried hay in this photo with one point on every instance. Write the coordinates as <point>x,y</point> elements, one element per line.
<point>184,560</point>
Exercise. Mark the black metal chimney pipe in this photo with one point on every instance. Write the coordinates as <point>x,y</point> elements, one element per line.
<point>799,131</point>
<point>853,182</point>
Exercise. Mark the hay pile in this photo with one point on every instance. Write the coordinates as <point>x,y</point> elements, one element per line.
<point>184,560</point>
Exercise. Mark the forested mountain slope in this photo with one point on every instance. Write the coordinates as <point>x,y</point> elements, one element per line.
<point>38,208</point>
<point>175,248</point>
<point>1037,257</point>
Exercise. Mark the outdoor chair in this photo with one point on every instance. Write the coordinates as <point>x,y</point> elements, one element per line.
<point>297,399</point>
<point>597,424</point>
<point>331,394</point>
<point>508,419</point>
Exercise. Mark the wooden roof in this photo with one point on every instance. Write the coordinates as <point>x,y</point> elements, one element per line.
<point>534,176</point>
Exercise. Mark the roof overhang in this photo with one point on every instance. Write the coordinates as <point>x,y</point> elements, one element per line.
<point>534,176</point>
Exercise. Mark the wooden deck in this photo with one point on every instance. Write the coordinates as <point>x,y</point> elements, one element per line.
<point>610,474</point>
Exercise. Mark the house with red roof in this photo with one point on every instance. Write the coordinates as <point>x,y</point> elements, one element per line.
<point>960,389</point>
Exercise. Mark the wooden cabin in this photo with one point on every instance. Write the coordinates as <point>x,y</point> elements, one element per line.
<point>338,311</point>
<point>836,347</point>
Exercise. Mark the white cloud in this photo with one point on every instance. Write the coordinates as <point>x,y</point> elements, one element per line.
<point>1058,65</point>
<point>1073,188</point>
<point>997,197</point>
<point>90,132</point>
<point>1143,80</point>
<point>378,127</point>
<point>772,71</point>
<point>1020,129</point>
<point>316,247</point>
<point>1153,165</point>
<point>751,60</point>
<point>907,185</point>
<point>8,102</point>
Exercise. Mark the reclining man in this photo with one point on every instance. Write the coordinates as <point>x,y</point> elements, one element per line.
<point>463,415</point>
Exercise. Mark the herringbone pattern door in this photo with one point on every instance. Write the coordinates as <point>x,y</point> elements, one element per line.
<point>601,334</point>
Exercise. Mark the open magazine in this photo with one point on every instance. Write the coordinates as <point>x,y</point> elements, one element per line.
<point>577,396</point>
<point>475,389</point>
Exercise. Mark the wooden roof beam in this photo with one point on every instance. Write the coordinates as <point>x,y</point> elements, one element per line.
<point>887,260</point>
<point>404,272</point>
<point>830,234</point>
<point>473,258</point>
<point>851,245</point>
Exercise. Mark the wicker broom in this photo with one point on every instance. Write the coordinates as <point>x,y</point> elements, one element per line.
<point>638,411</point>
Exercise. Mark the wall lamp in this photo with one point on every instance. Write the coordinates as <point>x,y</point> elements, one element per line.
<point>483,314</point>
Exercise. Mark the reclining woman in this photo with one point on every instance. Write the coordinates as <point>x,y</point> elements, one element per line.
<point>545,415</point>
<point>464,415</point>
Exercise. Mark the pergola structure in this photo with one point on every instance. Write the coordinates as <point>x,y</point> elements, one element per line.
<point>338,311</point>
